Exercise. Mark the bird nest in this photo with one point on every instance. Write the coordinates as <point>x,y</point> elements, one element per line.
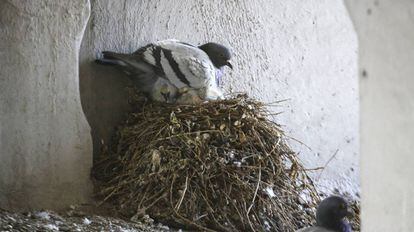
<point>216,166</point>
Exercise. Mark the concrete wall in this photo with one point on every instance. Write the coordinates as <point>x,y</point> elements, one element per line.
<point>45,144</point>
<point>386,70</point>
<point>304,51</point>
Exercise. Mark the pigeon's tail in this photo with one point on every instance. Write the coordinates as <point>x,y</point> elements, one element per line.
<point>115,56</point>
<point>130,63</point>
<point>110,58</point>
<point>141,73</point>
<point>104,61</point>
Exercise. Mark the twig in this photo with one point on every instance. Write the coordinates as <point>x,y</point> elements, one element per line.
<point>257,189</point>
<point>177,207</point>
<point>326,164</point>
<point>300,142</point>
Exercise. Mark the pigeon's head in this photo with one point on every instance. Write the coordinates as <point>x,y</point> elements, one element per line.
<point>218,54</point>
<point>330,213</point>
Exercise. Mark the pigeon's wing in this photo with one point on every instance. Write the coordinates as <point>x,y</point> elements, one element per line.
<point>142,73</point>
<point>314,229</point>
<point>184,64</point>
<point>140,61</point>
<point>130,63</point>
<point>150,54</point>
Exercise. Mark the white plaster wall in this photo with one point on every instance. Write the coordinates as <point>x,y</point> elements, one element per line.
<point>386,65</point>
<point>45,145</point>
<point>304,51</point>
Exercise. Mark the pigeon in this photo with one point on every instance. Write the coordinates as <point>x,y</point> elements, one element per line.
<point>173,71</point>
<point>330,216</point>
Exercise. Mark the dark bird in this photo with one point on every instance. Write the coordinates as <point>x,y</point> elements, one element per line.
<point>330,216</point>
<point>173,71</point>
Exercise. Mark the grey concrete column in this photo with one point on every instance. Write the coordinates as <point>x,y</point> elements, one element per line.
<point>386,67</point>
<point>45,144</point>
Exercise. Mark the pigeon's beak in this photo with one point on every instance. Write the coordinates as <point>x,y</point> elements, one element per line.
<point>229,64</point>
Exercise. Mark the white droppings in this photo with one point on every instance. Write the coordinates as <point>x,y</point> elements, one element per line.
<point>43,215</point>
<point>269,191</point>
<point>230,154</point>
<point>86,221</point>
<point>305,198</point>
<point>51,227</point>
<point>121,229</point>
<point>237,163</point>
<point>267,226</point>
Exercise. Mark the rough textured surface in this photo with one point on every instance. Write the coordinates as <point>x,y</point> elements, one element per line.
<point>74,220</point>
<point>221,165</point>
<point>302,51</point>
<point>45,153</point>
<point>387,110</point>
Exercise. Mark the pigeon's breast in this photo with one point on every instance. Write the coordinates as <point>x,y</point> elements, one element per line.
<point>219,75</point>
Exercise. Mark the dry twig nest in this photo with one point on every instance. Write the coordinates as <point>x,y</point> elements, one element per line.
<point>218,166</point>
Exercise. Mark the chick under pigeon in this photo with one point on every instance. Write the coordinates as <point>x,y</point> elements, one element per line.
<point>330,216</point>
<point>174,72</point>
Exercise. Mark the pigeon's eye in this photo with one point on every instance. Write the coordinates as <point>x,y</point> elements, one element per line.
<point>342,206</point>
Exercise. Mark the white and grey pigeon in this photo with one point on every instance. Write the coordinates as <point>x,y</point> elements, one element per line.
<point>330,216</point>
<point>173,71</point>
